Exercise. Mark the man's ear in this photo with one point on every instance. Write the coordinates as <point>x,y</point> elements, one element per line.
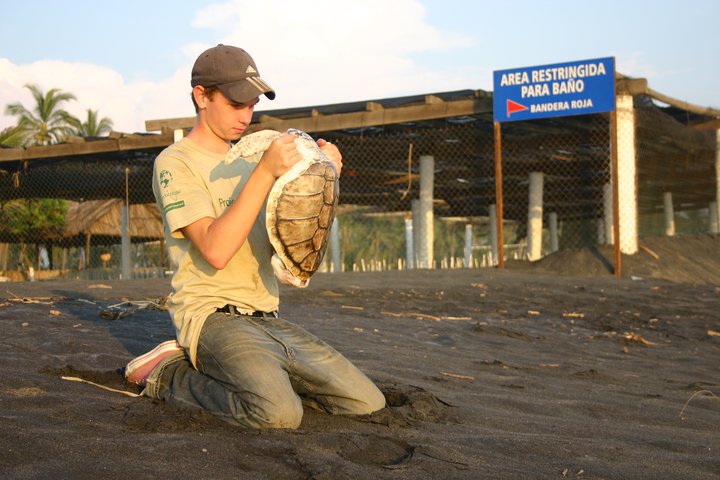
<point>200,98</point>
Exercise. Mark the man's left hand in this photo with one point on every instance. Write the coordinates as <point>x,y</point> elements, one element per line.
<point>332,152</point>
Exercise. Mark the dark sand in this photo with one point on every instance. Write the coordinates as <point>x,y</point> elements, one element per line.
<point>551,370</point>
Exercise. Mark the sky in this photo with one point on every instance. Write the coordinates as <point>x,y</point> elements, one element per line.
<point>131,60</point>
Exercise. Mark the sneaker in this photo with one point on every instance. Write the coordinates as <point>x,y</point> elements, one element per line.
<point>140,368</point>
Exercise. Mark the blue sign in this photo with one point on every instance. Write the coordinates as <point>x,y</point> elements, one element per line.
<point>573,88</point>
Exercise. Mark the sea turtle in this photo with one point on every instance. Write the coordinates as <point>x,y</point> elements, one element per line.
<point>300,206</point>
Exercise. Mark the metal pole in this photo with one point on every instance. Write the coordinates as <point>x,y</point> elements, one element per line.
<point>499,194</point>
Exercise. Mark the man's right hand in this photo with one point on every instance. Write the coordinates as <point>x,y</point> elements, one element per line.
<point>280,156</point>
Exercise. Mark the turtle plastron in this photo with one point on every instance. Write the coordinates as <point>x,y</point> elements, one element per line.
<point>301,204</point>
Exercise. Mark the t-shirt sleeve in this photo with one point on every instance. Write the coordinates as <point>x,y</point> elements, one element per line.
<point>181,193</point>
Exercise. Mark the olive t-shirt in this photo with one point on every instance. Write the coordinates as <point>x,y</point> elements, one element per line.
<point>190,183</point>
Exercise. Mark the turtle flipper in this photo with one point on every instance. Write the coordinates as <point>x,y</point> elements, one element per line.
<point>285,275</point>
<point>251,144</point>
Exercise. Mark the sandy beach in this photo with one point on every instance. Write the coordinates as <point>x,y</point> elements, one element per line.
<point>534,371</point>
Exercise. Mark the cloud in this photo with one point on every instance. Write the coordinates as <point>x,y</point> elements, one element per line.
<point>95,87</point>
<point>335,51</point>
<point>317,53</point>
<point>634,64</point>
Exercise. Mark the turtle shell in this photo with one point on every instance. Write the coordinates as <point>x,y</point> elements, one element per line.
<point>301,204</point>
<point>299,215</point>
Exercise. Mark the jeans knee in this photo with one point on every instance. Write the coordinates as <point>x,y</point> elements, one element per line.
<point>371,400</point>
<point>374,401</point>
<point>286,414</point>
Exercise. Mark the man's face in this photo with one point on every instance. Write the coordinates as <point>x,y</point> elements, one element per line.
<point>228,120</point>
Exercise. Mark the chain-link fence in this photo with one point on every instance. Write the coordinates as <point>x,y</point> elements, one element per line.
<point>381,181</point>
<point>677,173</point>
<point>556,174</point>
<point>62,216</point>
<point>563,165</point>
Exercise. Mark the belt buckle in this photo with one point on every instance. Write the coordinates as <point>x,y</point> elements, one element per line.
<point>233,310</point>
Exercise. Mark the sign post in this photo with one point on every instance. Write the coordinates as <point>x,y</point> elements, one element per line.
<point>562,89</point>
<point>528,93</point>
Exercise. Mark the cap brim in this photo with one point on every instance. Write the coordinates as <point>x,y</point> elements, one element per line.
<point>246,90</point>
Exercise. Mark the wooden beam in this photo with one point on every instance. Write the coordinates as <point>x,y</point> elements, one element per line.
<point>8,154</point>
<point>138,142</point>
<point>700,110</point>
<point>639,86</point>
<point>374,114</point>
<point>433,99</point>
<point>181,123</point>
<point>130,142</point>
<point>711,125</point>
<point>631,86</point>
<point>268,119</point>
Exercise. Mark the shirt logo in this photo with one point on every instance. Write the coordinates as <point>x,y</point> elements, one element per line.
<point>165,178</point>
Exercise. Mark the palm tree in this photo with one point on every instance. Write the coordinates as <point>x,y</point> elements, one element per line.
<point>12,137</point>
<point>92,127</point>
<point>46,123</point>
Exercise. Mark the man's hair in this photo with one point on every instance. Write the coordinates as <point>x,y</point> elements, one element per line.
<point>209,93</point>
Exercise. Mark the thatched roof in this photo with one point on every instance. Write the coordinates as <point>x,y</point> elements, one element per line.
<point>101,219</point>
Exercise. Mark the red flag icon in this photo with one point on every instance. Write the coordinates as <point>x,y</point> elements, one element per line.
<point>513,107</point>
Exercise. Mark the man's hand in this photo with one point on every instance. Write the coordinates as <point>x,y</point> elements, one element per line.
<point>332,152</point>
<point>280,156</point>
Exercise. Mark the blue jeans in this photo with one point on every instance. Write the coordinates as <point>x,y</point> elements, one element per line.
<point>258,372</point>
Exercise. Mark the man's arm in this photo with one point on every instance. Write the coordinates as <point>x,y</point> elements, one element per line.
<point>218,239</point>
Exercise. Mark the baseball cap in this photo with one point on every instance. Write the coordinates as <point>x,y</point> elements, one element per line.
<point>233,71</point>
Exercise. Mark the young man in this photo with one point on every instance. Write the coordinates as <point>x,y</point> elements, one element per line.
<point>234,355</point>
